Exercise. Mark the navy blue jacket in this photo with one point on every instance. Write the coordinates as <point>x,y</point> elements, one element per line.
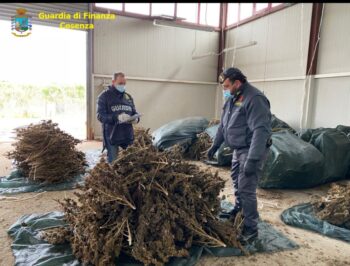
<point>246,122</point>
<point>110,104</point>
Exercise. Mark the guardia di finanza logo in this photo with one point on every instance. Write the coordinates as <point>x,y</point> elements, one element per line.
<point>21,24</point>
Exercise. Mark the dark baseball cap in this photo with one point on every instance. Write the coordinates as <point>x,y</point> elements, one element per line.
<point>233,74</point>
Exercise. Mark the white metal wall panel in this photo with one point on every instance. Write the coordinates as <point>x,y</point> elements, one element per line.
<point>161,103</point>
<point>332,102</point>
<point>334,52</point>
<point>331,105</point>
<point>282,44</point>
<point>281,52</point>
<point>7,10</point>
<point>285,98</point>
<point>141,49</point>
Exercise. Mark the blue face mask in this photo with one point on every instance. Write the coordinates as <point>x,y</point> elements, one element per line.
<point>120,88</point>
<point>227,94</point>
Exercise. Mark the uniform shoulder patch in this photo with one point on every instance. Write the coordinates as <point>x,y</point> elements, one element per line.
<point>128,97</point>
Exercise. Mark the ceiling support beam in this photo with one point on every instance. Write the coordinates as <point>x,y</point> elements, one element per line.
<point>222,38</point>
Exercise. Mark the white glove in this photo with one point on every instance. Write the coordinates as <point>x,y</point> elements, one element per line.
<point>122,118</point>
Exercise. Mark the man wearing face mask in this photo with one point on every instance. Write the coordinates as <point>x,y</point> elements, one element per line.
<point>245,127</point>
<point>116,111</point>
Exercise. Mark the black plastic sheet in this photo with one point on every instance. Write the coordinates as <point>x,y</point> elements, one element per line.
<point>344,129</point>
<point>277,125</point>
<point>334,144</point>
<point>292,163</point>
<point>182,131</point>
<point>335,147</point>
<point>29,249</point>
<point>223,157</point>
<point>303,216</point>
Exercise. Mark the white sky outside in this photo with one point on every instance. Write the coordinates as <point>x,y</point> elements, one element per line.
<point>163,9</point>
<point>246,10</point>
<point>260,6</point>
<point>50,55</point>
<point>140,8</point>
<point>232,13</point>
<point>185,10</point>
<point>275,4</point>
<point>213,10</point>
<point>114,6</point>
<point>189,11</point>
<point>210,11</point>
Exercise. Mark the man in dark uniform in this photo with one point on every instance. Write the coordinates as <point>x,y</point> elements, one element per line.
<point>245,126</point>
<point>115,110</point>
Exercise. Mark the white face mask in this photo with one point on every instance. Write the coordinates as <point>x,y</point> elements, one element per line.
<point>226,94</point>
<point>120,88</point>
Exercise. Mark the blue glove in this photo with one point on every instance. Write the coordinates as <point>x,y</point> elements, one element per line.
<point>250,167</point>
<point>212,151</point>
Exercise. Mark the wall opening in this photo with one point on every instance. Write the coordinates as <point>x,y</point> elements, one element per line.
<point>43,76</point>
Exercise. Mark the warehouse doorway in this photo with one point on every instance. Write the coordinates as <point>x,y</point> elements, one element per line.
<point>43,76</point>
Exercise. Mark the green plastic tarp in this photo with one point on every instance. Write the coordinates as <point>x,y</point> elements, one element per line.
<point>291,163</point>
<point>335,147</point>
<point>223,157</point>
<point>303,216</point>
<point>277,125</point>
<point>29,249</point>
<point>344,129</point>
<point>182,131</point>
<point>17,183</point>
<point>305,134</point>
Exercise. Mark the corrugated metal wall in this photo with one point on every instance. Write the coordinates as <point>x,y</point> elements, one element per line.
<point>282,44</point>
<point>160,103</point>
<point>334,52</point>
<point>332,102</point>
<point>7,10</point>
<point>143,50</point>
<point>332,94</point>
<point>279,57</point>
<point>276,65</point>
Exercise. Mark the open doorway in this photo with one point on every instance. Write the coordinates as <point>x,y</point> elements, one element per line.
<point>42,76</point>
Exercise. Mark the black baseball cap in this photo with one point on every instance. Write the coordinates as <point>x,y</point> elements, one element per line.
<point>233,74</point>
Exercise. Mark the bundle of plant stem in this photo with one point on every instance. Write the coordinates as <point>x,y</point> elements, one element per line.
<point>147,204</point>
<point>46,154</point>
<point>198,150</point>
<point>335,207</point>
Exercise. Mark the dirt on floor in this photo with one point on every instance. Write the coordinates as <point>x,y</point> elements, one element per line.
<point>314,249</point>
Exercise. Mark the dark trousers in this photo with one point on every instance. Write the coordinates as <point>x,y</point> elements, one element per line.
<point>112,151</point>
<point>245,187</point>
